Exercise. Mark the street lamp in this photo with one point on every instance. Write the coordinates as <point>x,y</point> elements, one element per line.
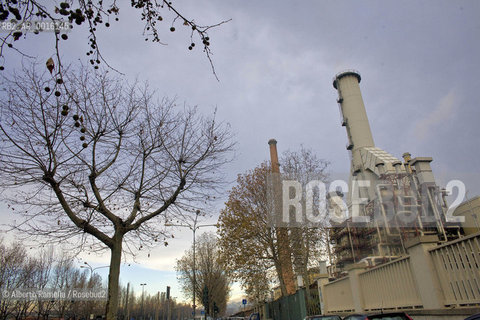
<point>87,266</point>
<point>143,297</point>
<point>194,228</point>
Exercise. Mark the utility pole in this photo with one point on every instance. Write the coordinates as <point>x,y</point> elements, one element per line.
<point>194,228</point>
<point>194,264</point>
<point>168,303</point>
<point>126,303</point>
<point>143,298</point>
<point>164,306</point>
<point>157,305</point>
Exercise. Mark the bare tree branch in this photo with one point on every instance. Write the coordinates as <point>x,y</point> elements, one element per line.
<point>24,19</point>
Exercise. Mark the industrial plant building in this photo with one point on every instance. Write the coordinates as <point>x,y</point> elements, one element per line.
<point>389,201</point>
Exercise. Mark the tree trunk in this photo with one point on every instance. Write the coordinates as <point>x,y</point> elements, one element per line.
<point>285,260</point>
<point>278,269</point>
<point>113,277</point>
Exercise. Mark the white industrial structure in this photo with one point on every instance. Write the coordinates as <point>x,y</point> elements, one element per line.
<point>394,200</point>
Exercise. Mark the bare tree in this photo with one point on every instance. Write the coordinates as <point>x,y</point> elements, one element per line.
<point>22,19</point>
<point>29,267</point>
<point>90,159</point>
<point>19,270</point>
<point>212,285</point>
<point>12,262</point>
<point>65,275</point>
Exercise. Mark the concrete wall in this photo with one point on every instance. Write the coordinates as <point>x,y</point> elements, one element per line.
<point>432,282</point>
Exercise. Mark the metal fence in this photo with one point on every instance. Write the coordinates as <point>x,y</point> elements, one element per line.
<point>291,307</point>
<point>312,301</point>
<point>457,264</point>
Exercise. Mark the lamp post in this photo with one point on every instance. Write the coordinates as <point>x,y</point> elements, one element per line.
<point>143,296</point>
<point>194,228</point>
<point>87,266</point>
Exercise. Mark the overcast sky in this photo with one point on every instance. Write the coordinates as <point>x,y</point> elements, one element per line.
<point>419,62</point>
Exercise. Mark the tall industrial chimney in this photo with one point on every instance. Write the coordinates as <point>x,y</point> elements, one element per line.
<point>354,116</point>
<point>274,155</point>
<point>286,276</point>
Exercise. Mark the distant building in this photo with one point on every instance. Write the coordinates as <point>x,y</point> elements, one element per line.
<point>470,210</point>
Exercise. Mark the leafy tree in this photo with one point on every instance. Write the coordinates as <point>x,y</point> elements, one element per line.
<point>308,243</point>
<point>99,164</point>
<point>212,284</point>
<point>249,241</point>
<point>159,16</point>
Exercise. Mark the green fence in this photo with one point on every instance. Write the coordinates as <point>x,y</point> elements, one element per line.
<point>292,307</point>
<point>313,302</point>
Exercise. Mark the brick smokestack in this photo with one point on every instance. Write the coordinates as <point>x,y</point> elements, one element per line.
<point>285,267</point>
<point>274,156</point>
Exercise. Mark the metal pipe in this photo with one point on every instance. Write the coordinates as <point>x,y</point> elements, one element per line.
<point>382,208</point>
<point>351,243</point>
<point>437,214</point>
